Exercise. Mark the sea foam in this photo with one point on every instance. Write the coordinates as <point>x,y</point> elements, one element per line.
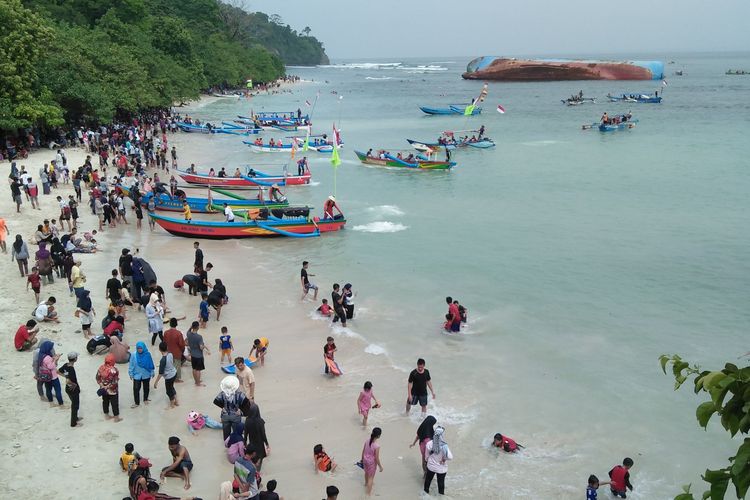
<point>386,210</point>
<point>380,227</point>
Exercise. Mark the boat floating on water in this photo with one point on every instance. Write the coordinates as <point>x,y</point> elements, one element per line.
<point>388,160</point>
<point>538,70</point>
<point>294,224</point>
<point>613,123</point>
<point>453,109</point>
<point>639,98</point>
<point>426,146</point>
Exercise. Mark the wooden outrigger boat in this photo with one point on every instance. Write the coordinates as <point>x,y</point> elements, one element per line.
<point>206,205</point>
<point>253,178</point>
<point>389,160</point>
<point>264,224</point>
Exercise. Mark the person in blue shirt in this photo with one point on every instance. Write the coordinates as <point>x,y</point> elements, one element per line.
<point>141,369</point>
<point>225,344</point>
<point>203,313</point>
<point>591,493</point>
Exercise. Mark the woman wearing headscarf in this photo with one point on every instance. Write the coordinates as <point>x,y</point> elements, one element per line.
<point>255,435</point>
<point>425,431</point>
<point>119,349</point>
<point>235,443</point>
<point>44,262</point>
<point>85,312</point>
<point>233,404</point>
<point>438,455</point>
<point>48,371</point>
<point>108,376</point>
<point>155,322</point>
<point>58,253</point>
<point>20,252</point>
<point>348,302</point>
<point>44,177</point>
<point>141,369</point>
<point>217,296</point>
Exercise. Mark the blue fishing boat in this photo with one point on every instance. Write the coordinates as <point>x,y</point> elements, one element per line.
<point>206,205</point>
<point>483,143</point>
<point>453,109</point>
<point>208,129</point>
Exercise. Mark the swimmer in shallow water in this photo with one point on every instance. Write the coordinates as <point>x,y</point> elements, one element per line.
<point>505,443</point>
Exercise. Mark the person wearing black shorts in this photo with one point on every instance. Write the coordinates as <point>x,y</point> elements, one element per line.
<point>419,381</point>
<point>196,347</point>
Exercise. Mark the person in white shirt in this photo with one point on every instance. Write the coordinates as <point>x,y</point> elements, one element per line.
<point>438,454</point>
<point>45,311</point>
<point>228,213</point>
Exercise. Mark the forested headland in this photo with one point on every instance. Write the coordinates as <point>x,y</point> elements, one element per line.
<point>90,60</point>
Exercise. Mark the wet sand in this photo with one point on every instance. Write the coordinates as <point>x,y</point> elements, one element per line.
<point>301,406</point>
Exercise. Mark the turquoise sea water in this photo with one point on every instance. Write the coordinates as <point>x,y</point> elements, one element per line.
<point>581,258</point>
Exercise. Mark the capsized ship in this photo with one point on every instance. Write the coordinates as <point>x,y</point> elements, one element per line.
<point>539,70</point>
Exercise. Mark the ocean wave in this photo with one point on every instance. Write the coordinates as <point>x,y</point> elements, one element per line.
<point>375,349</point>
<point>541,143</point>
<point>422,69</point>
<point>386,210</point>
<point>378,78</point>
<point>361,65</point>
<point>380,227</point>
<point>339,330</point>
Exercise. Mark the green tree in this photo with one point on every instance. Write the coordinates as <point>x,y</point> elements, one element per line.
<point>24,101</point>
<point>729,398</point>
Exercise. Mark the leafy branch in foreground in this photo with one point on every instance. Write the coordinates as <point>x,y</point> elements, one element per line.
<point>729,392</point>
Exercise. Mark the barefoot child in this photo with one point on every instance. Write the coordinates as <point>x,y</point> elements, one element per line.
<point>225,345</point>
<point>364,402</point>
<point>591,493</point>
<point>129,459</point>
<point>203,311</point>
<point>36,283</point>
<point>328,352</point>
<point>260,346</point>
<point>323,462</point>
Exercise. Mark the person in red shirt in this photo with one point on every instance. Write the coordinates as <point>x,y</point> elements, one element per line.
<point>26,336</point>
<point>176,345</point>
<point>620,478</point>
<point>455,315</point>
<point>36,283</point>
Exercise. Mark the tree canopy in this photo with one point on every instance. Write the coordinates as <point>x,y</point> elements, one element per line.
<point>88,60</point>
<point>728,390</point>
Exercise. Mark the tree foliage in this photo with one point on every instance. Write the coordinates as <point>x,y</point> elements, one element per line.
<point>88,60</point>
<point>729,398</point>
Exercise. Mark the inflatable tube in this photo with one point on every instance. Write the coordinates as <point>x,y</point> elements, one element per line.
<point>287,233</point>
<point>231,368</point>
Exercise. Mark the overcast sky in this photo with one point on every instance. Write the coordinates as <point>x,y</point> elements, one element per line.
<point>406,28</point>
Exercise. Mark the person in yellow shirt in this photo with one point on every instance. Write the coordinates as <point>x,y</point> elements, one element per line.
<point>186,211</point>
<point>77,278</point>
<point>260,346</point>
<point>129,459</point>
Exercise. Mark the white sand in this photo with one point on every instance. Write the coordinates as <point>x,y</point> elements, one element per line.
<point>43,455</point>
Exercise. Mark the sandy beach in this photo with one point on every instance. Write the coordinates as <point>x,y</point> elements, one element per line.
<point>301,406</point>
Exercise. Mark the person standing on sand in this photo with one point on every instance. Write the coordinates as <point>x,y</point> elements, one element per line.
<point>108,376</point>
<point>141,370</point>
<point>255,435</point>
<point>4,233</point>
<point>425,432</point>
<point>233,404</point>
<point>197,347</point>
<point>48,372</point>
<point>71,387</point>
<point>155,322</point>
<point>245,376</point>
<point>20,252</point>
<point>181,464</point>
<point>168,371</point>
<point>371,459</point>
<point>438,454</point>
<point>198,262</point>
<point>176,345</point>
<point>419,381</point>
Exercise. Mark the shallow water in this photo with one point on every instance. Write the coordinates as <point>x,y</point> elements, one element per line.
<point>581,257</point>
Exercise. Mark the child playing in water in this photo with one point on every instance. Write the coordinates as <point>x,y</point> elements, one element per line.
<point>225,344</point>
<point>620,478</point>
<point>129,459</point>
<point>591,493</point>
<point>260,346</point>
<point>323,462</point>
<point>324,309</point>
<point>364,402</point>
<point>203,311</point>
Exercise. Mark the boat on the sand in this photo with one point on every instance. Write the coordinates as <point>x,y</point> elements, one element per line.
<point>207,205</point>
<point>253,178</point>
<point>260,223</point>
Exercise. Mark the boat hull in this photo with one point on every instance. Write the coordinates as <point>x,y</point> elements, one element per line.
<point>245,181</point>
<point>393,162</point>
<point>249,229</point>
<point>530,70</point>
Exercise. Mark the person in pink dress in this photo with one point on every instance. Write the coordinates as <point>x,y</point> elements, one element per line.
<point>371,459</point>
<point>364,402</point>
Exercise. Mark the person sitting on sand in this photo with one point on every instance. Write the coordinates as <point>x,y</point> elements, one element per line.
<point>323,462</point>
<point>45,311</point>
<point>26,336</point>
<point>181,465</point>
